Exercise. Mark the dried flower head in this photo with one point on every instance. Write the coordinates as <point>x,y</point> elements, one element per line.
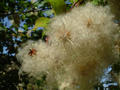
<point>32,52</point>
<point>81,47</point>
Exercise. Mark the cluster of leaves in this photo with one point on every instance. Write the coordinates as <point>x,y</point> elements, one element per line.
<point>17,19</point>
<point>8,72</point>
<point>30,83</point>
<point>99,2</point>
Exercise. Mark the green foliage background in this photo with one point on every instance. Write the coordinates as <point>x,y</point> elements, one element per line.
<point>22,20</point>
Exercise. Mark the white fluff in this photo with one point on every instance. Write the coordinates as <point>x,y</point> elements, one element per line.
<point>81,45</point>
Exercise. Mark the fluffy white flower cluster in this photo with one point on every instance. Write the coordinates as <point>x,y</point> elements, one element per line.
<point>80,46</point>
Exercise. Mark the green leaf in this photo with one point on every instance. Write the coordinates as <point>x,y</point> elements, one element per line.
<point>16,19</point>
<point>41,22</point>
<point>25,26</point>
<point>1,28</point>
<point>49,12</point>
<point>58,5</point>
<point>95,2</point>
<point>39,4</point>
<point>73,1</point>
<point>99,2</point>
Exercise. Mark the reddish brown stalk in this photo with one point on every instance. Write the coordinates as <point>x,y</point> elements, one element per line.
<point>76,4</point>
